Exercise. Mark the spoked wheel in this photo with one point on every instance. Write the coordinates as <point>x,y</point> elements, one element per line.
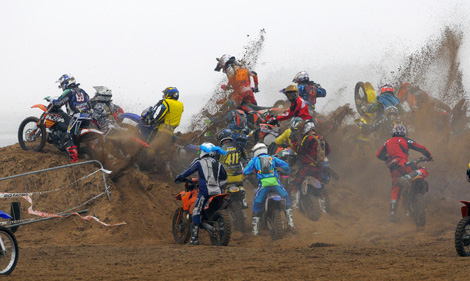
<point>221,222</point>
<point>275,224</point>
<point>235,211</point>
<point>462,237</point>
<point>181,227</point>
<point>30,136</point>
<point>310,205</point>
<point>8,251</point>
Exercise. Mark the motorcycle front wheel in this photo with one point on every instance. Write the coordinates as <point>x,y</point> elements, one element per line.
<point>462,237</point>
<point>8,251</point>
<point>181,227</point>
<point>30,136</point>
<point>221,222</point>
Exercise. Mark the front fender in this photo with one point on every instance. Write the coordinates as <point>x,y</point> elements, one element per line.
<point>465,209</point>
<point>132,116</point>
<point>40,106</point>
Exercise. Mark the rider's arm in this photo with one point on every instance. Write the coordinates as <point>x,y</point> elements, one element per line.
<point>284,138</point>
<point>327,148</point>
<point>289,113</point>
<point>194,167</point>
<point>382,153</point>
<point>255,77</point>
<point>418,147</point>
<point>63,99</point>
<point>321,92</point>
<point>222,175</point>
<point>250,168</point>
<point>279,163</point>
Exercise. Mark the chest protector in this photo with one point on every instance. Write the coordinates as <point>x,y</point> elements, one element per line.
<point>210,168</point>
<point>266,165</point>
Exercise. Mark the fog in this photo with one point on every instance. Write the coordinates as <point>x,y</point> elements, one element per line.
<point>138,48</point>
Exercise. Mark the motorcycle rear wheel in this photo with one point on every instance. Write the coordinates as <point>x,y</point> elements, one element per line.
<point>181,227</point>
<point>419,209</point>
<point>462,237</point>
<point>26,127</point>
<point>275,224</point>
<point>221,221</point>
<point>310,205</point>
<point>9,255</point>
<point>235,210</point>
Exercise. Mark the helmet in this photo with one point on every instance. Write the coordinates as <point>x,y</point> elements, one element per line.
<point>294,122</point>
<point>391,110</point>
<point>222,61</point>
<point>309,126</point>
<point>102,93</point>
<point>225,134</point>
<point>259,148</point>
<point>66,81</point>
<point>171,93</point>
<point>291,92</point>
<point>399,130</point>
<point>387,88</point>
<point>301,77</point>
<point>207,148</point>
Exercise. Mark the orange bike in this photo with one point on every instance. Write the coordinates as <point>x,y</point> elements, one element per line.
<point>214,218</point>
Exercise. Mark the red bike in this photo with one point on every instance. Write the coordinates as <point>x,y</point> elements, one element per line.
<point>34,132</point>
<point>214,218</point>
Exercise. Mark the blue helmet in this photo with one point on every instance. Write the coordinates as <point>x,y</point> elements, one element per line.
<point>225,134</point>
<point>171,93</point>
<point>66,81</point>
<point>209,148</point>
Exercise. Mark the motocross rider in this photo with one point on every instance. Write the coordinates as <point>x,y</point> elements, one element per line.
<point>385,99</point>
<point>234,160</point>
<point>308,90</point>
<point>77,101</point>
<point>395,154</point>
<point>165,116</point>
<point>212,175</point>
<point>312,150</point>
<point>391,118</point>
<point>264,166</point>
<point>105,112</point>
<point>239,79</point>
<point>299,106</point>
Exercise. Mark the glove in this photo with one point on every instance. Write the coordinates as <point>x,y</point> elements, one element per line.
<point>273,121</point>
<point>255,89</point>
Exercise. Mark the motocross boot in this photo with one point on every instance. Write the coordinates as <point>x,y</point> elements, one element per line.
<point>393,210</point>
<point>194,234</point>
<point>295,199</point>
<point>289,218</point>
<point>255,223</point>
<point>73,153</point>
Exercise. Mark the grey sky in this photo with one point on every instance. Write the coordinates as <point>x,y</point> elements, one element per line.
<point>137,48</point>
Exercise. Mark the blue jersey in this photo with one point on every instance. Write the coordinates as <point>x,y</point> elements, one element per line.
<point>254,166</point>
<point>212,174</point>
<point>77,101</point>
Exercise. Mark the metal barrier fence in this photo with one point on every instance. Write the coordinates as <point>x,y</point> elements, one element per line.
<point>38,195</point>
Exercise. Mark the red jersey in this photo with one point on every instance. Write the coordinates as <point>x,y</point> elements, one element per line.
<point>298,108</point>
<point>395,151</point>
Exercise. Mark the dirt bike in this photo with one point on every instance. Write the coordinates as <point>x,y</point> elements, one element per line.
<point>34,132</point>
<point>8,248</point>
<point>271,215</point>
<point>413,188</point>
<point>214,218</point>
<point>462,232</point>
<point>236,204</point>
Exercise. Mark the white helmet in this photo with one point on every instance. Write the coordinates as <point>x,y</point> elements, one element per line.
<point>259,148</point>
<point>103,93</point>
<point>221,62</point>
<point>206,148</point>
<point>309,126</point>
<point>301,77</point>
<point>294,122</point>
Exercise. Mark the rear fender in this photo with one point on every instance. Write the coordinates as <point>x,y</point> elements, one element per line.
<point>215,203</point>
<point>309,181</point>
<point>274,201</point>
<point>465,209</point>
